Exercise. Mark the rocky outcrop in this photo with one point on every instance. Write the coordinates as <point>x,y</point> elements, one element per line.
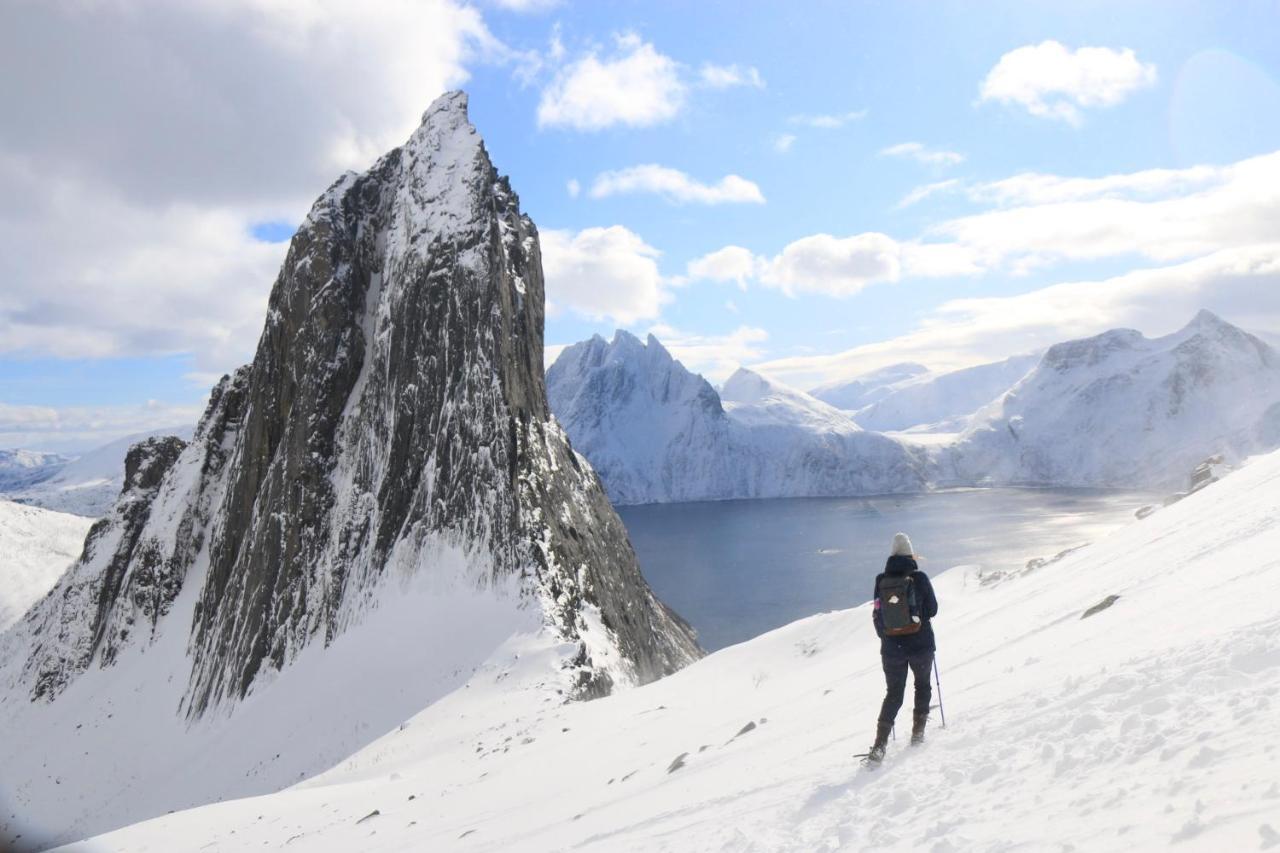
<point>394,411</point>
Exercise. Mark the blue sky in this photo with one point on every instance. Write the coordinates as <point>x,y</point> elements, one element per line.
<point>145,212</point>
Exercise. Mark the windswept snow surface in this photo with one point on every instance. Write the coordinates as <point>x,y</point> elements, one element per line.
<point>36,547</point>
<point>861,391</point>
<point>86,485</point>
<point>1152,724</point>
<point>657,433</point>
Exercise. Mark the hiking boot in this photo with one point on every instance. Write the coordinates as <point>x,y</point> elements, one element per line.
<point>876,753</point>
<point>917,728</point>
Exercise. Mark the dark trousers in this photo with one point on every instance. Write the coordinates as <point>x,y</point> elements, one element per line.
<point>895,679</point>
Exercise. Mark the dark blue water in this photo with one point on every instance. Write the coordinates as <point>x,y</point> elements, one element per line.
<point>736,569</point>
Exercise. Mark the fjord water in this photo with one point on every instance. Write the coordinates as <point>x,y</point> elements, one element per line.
<point>736,569</point>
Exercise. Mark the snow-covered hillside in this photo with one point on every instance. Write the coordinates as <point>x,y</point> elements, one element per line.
<point>88,484</point>
<point>36,547</point>
<point>1122,410</point>
<point>861,391</point>
<point>21,468</point>
<point>943,402</point>
<point>657,433</point>
<point>1149,724</point>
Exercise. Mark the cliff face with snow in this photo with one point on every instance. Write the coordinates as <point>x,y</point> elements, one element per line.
<point>1120,410</point>
<point>391,441</point>
<point>37,546</point>
<point>658,433</point>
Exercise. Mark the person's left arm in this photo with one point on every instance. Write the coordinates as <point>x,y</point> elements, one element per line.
<point>928,600</point>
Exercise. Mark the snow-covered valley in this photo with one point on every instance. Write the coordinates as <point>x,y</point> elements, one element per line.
<point>1149,724</point>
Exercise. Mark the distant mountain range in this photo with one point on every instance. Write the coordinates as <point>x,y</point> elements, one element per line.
<point>1116,410</point>
<point>84,485</point>
<point>657,433</point>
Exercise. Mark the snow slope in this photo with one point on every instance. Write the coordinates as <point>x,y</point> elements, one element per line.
<point>1152,724</point>
<point>36,547</point>
<point>86,485</point>
<point>1122,410</point>
<point>861,391</point>
<point>943,402</point>
<point>657,433</point>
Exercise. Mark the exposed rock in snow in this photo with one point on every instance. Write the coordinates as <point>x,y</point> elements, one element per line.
<point>860,392</point>
<point>364,514</point>
<point>1120,410</point>
<point>943,402</point>
<point>658,433</point>
<point>1149,725</point>
<point>85,485</point>
<point>36,547</point>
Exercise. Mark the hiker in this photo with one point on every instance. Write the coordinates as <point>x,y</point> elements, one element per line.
<point>902,608</point>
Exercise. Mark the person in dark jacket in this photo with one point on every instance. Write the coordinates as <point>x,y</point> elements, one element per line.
<point>899,654</point>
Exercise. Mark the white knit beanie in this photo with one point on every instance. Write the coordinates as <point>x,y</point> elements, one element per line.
<point>902,545</point>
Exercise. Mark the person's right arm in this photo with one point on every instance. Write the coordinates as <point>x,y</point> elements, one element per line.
<point>875,609</point>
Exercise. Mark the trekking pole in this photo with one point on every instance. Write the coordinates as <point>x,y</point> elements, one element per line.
<point>938,678</point>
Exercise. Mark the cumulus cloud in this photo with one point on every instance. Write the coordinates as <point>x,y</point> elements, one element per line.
<point>921,193</point>
<point>828,121</point>
<point>675,186</point>
<point>143,139</point>
<point>1052,81</point>
<point>636,86</point>
<point>602,274</point>
<point>732,263</point>
<point>922,154</point>
<point>729,76</point>
<point>1241,284</point>
<point>1038,221</point>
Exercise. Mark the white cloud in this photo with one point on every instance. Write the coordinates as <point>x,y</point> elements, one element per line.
<point>1043,220</point>
<point>79,428</point>
<point>1241,284</point>
<point>828,121</point>
<point>573,187</point>
<point>637,87</point>
<point>714,356</point>
<point>920,193</point>
<point>728,76</point>
<point>104,208</point>
<point>923,154</point>
<point>732,263</point>
<point>675,186</point>
<point>603,274</point>
<point>1051,81</point>
<point>782,142</point>
<point>526,6</point>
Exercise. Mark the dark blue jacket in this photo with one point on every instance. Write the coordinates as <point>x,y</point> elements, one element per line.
<point>922,640</point>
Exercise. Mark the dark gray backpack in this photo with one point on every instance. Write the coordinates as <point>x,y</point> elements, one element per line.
<point>899,605</point>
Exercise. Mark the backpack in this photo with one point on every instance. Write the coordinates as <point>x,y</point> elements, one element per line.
<point>899,605</point>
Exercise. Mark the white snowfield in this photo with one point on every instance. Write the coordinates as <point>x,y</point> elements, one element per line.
<point>36,547</point>
<point>1153,724</point>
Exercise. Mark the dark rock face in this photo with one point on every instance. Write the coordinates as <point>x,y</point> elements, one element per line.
<point>395,409</point>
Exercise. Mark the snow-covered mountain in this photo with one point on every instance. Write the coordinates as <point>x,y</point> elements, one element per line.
<point>1121,410</point>
<point>22,468</point>
<point>87,484</point>
<point>657,433</point>
<point>943,402</point>
<point>1121,698</point>
<point>36,547</point>
<point>365,515</point>
<point>861,391</point>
